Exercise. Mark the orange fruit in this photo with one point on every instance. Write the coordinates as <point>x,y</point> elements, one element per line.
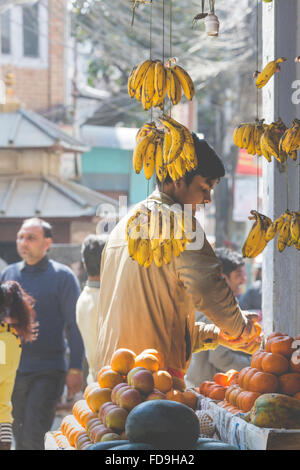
<point>162,381</point>
<point>175,395</point>
<point>148,361</point>
<point>78,406</point>
<point>157,354</point>
<point>89,387</point>
<point>122,361</point>
<point>221,379</point>
<point>97,397</point>
<point>190,398</point>
<point>103,369</point>
<point>85,416</point>
<point>109,379</point>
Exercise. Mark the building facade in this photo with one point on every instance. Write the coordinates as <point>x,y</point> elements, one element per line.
<point>34,42</point>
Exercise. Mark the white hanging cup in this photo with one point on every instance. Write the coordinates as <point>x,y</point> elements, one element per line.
<point>212,25</point>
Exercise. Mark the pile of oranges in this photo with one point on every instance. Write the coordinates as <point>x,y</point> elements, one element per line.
<point>216,388</point>
<point>273,370</point>
<point>129,380</point>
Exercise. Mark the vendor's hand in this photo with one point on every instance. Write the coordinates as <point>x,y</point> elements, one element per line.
<point>250,348</point>
<point>249,340</point>
<point>74,382</point>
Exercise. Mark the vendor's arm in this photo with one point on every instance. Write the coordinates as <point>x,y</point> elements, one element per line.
<point>200,273</point>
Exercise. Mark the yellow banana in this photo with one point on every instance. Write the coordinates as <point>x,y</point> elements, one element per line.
<point>180,166</point>
<point>140,74</point>
<point>160,82</point>
<point>177,136</point>
<point>264,150</point>
<point>238,135</point>
<point>138,93</point>
<point>274,228</point>
<point>158,102</point>
<point>295,227</point>
<point>268,71</point>
<point>161,169</point>
<point>256,242</point>
<point>173,87</point>
<point>167,251</point>
<point>173,172</point>
<point>284,235</point>
<point>132,247</point>
<point>145,130</point>
<point>158,256</point>
<point>130,88</point>
<point>149,160</point>
<point>175,247</point>
<point>139,151</point>
<point>142,252</point>
<point>185,81</point>
<point>149,260</point>
<point>247,135</point>
<point>148,87</point>
<point>166,146</point>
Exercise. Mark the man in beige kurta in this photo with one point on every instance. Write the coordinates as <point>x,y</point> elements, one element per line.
<point>155,307</point>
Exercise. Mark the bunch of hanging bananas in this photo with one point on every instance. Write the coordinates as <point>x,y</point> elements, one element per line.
<point>270,142</point>
<point>149,150</point>
<point>169,151</point>
<point>151,80</point>
<point>264,139</point>
<point>256,240</point>
<point>157,234</point>
<point>287,226</point>
<point>179,149</point>
<point>290,140</point>
<point>247,136</point>
<point>268,71</point>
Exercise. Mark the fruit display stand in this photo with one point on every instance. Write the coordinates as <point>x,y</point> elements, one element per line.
<point>233,430</point>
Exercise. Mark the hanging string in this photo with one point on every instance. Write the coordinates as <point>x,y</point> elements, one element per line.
<point>150,57</point>
<point>257,109</point>
<point>170,49</point>
<point>163,61</point>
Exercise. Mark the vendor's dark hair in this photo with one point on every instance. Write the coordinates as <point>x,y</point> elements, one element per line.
<point>209,164</point>
<point>91,251</point>
<point>231,260</point>
<point>18,305</point>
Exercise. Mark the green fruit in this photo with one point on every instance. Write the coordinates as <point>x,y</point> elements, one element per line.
<point>164,424</point>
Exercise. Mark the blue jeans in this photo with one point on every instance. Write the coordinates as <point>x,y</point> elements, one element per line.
<point>34,401</point>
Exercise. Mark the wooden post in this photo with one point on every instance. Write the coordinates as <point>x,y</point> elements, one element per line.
<point>281,271</point>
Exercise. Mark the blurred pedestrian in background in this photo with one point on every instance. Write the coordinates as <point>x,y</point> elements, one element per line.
<point>43,370</point>
<point>205,364</point>
<point>86,308</point>
<point>234,271</point>
<point>16,324</point>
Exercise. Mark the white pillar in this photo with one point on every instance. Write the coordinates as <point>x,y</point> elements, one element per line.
<point>281,279</point>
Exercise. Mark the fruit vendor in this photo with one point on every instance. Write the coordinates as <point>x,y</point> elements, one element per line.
<point>155,307</point>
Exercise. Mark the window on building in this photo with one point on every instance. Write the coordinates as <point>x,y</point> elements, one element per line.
<point>31,30</point>
<point>5,33</point>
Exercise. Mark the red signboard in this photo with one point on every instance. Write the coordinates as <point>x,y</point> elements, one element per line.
<point>248,164</point>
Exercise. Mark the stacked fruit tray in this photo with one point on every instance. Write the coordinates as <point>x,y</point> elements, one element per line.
<point>135,404</point>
